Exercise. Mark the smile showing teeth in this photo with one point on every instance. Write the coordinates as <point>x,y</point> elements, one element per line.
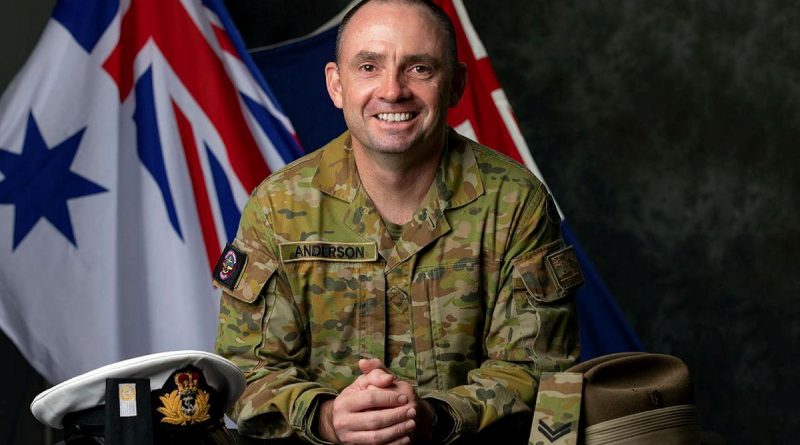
<point>394,117</point>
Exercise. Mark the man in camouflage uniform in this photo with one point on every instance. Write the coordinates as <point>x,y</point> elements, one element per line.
<point>402,283</point>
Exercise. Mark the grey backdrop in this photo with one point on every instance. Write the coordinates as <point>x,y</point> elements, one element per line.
<point>668,133</point>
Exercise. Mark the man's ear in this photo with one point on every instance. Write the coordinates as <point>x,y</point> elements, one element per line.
<point>458,83</point>
<point>334,83</point>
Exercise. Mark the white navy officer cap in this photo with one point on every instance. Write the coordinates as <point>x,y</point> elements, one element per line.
<point>175,396</point>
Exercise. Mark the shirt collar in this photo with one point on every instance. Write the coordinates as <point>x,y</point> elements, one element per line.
<point>336,173</point>
<point>458,180</point>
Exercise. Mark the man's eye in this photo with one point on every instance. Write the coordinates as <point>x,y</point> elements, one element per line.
<point>421,69</point>
<point>367,68</point>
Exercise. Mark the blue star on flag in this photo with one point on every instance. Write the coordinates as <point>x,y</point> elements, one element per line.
<point>38,182</point>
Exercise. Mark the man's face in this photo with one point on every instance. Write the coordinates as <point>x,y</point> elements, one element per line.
<point>393,81</point>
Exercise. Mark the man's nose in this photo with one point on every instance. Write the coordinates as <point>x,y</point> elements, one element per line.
<point>393,86</point>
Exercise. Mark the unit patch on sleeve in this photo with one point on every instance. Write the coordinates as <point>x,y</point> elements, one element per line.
<point>230,266</point>
<point>564,267</point>
<point>328,251</point>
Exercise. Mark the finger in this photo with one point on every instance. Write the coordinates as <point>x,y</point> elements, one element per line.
<point>405,440</point>
<point>383,418</point>
<point>375,399</point>
<point>380,377</point>
<point>397,385</point>
<point>367,365</point>
<point>393,434</point>
<point>374,373</point>
<point>377,378</point>
<point>404,387</point>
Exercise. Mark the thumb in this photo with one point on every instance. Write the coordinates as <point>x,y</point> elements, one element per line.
<point>367,365</point>
<point>375,374</point>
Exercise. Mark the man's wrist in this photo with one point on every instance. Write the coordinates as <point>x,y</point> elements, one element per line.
<point>324,426</point>
<point>441,421</point>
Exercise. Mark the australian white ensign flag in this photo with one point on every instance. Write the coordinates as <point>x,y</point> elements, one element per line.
<point>128,143</point>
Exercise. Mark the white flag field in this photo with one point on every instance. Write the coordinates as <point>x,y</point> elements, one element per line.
<point>128,143</point>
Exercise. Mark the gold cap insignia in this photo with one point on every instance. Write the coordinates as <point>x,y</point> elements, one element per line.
<point>188,404</point>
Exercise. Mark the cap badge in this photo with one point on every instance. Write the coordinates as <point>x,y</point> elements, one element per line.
<point>187,404</point>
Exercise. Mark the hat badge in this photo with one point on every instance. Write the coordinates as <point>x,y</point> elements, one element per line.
<point>188,404</point>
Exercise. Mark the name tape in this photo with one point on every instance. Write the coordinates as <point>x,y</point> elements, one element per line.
<point>328,251</point>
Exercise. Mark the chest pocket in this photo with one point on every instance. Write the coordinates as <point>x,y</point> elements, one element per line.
<point>340,287</point>
<point>448,311</point>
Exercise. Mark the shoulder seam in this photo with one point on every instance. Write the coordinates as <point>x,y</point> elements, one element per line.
<point>489,152</point>
<point>281,172</point>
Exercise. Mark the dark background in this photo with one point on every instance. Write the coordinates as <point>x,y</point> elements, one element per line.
<point>668,134</point>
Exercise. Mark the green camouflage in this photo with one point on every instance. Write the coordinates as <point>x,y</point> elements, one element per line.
<point>463,305</point>
<point>558,409</point>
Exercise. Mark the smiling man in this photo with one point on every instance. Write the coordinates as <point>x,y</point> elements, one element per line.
<point>401,284</point>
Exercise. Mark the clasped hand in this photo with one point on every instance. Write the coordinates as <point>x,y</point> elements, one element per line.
<point>376,409</point>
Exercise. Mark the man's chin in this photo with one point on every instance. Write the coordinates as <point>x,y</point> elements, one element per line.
<point>392,145</point>
<point>391,150</point>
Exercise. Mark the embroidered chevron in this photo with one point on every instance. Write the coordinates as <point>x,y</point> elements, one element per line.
<point>553,434</point>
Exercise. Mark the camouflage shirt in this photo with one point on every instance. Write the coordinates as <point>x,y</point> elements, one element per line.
<point>470,305</point>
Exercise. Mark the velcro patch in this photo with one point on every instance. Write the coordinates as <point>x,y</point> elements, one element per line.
<point>327,251</point>
<point>229,266</point>
<point>564,268</point>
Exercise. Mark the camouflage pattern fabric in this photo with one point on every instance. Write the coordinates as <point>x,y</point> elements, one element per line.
<point>470,305</point>
<point>558,409</point>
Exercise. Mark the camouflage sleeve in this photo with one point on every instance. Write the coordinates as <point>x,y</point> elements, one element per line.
<point>533,327</point>
<point>261,329</point>
<point>558,409</point>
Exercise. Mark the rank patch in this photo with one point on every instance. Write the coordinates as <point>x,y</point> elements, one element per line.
<point>229,266</point>
<point>558,409</point>
<point>564,267</point>
<point>327,251</point>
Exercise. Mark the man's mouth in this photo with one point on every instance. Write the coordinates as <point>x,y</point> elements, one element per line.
<point>395,117</point>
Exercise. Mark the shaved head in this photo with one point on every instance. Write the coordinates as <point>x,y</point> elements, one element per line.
<point>441,18</point>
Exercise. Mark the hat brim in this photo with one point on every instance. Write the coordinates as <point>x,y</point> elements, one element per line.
<point>88,390</point>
